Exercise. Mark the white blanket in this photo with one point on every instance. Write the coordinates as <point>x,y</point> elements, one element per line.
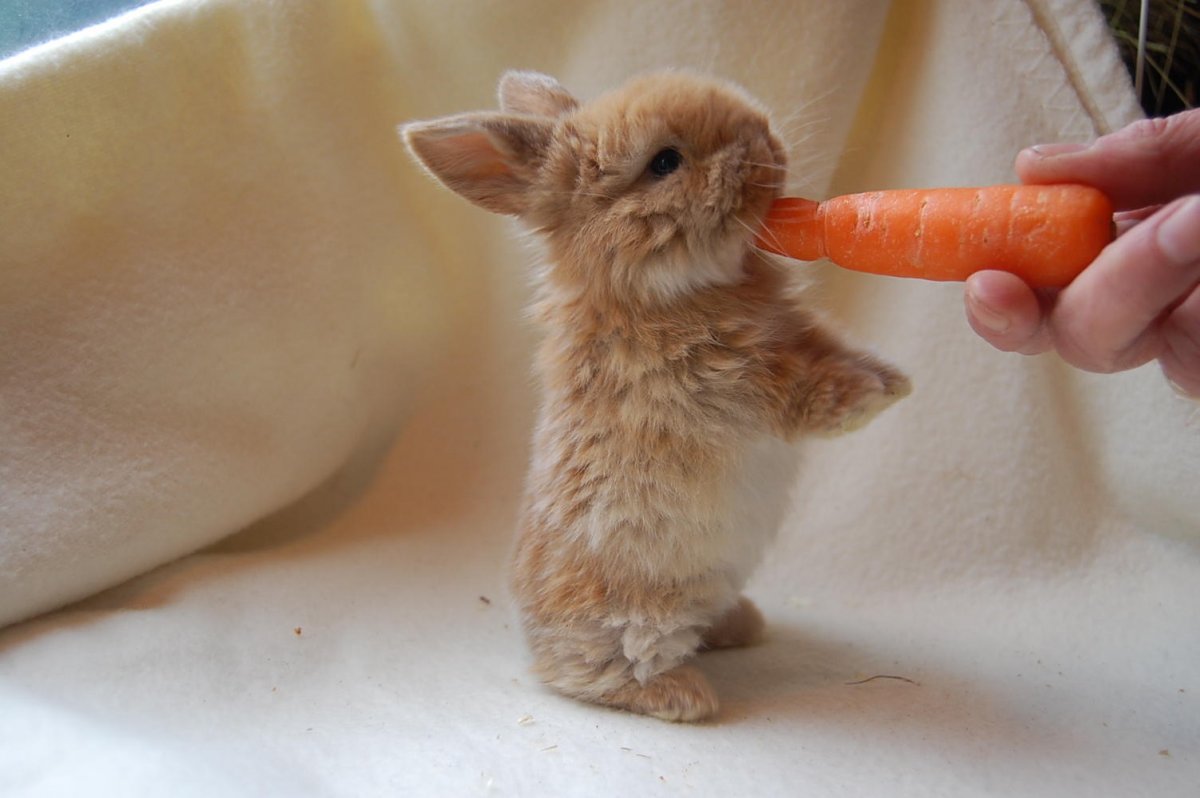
<point>228,300</point>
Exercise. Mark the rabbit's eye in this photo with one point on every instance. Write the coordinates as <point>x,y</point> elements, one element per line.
<point>665,162</point>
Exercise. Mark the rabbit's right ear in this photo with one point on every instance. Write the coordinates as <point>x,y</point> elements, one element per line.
<point>491,159</point>
<point>524,92</point>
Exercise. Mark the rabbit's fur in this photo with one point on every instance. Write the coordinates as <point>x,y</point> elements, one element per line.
<point>676,364</point>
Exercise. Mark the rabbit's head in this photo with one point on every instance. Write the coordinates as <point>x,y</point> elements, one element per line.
<point>651,190</point>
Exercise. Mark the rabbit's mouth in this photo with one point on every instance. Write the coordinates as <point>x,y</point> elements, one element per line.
<point>764,179</point>
<point>761,173</point>
<point>745,220</point>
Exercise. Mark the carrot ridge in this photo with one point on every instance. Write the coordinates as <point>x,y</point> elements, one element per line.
<point>1045,234</point>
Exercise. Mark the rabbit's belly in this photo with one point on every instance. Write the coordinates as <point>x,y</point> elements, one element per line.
<point>758,502</point>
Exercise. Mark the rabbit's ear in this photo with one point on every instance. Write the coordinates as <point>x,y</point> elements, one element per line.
<point>535,94</point>
<point>491,159</point>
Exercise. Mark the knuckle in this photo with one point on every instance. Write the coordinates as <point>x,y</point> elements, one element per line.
<point>1152,140</point>
<point>1151,128</point>
<point>1166,142</point>
<point>1146,139</point>
<point>1181,337</point>
<point>1082,352</point>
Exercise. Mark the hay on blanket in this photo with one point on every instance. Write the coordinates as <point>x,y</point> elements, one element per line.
<point>1172,67</point>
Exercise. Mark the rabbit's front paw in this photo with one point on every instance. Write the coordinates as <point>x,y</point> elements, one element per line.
<point>851,392</point>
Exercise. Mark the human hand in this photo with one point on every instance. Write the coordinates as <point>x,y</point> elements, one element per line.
<point>1140,299</point>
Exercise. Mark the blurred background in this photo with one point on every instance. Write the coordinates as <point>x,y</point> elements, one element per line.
<point>1171,70</point>
<point>24,23</point>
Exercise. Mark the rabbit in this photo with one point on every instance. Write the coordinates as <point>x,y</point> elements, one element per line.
<point>677,367</point>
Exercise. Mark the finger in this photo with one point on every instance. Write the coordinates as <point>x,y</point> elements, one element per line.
<point>1109,318</point>
<point>1124,221</point>
<point>1006,313</point>
<point>1180,359</point>
<point>1149,162</point>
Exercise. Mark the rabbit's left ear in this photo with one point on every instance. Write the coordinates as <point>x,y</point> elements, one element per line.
<point>533,93</point>
<point>491,159</point>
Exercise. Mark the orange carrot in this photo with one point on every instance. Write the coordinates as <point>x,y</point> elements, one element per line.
<point>1045,235</point>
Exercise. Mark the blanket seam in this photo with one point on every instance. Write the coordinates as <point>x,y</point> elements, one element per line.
<point>1062,52</point>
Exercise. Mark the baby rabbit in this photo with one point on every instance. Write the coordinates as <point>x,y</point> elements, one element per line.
<point>676,364</point>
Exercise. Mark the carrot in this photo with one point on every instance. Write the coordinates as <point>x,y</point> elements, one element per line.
<point>1045,235</point>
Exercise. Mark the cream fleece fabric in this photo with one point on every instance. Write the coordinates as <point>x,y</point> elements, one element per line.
<point>229,302</point>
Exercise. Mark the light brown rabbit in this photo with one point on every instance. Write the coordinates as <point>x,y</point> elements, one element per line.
<point>676,364</point>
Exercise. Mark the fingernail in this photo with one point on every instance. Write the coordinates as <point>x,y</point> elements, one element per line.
<point>1058,148</point>
<point>1184,392</point>
<point>986,316</point>
<point>1179,234</point>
